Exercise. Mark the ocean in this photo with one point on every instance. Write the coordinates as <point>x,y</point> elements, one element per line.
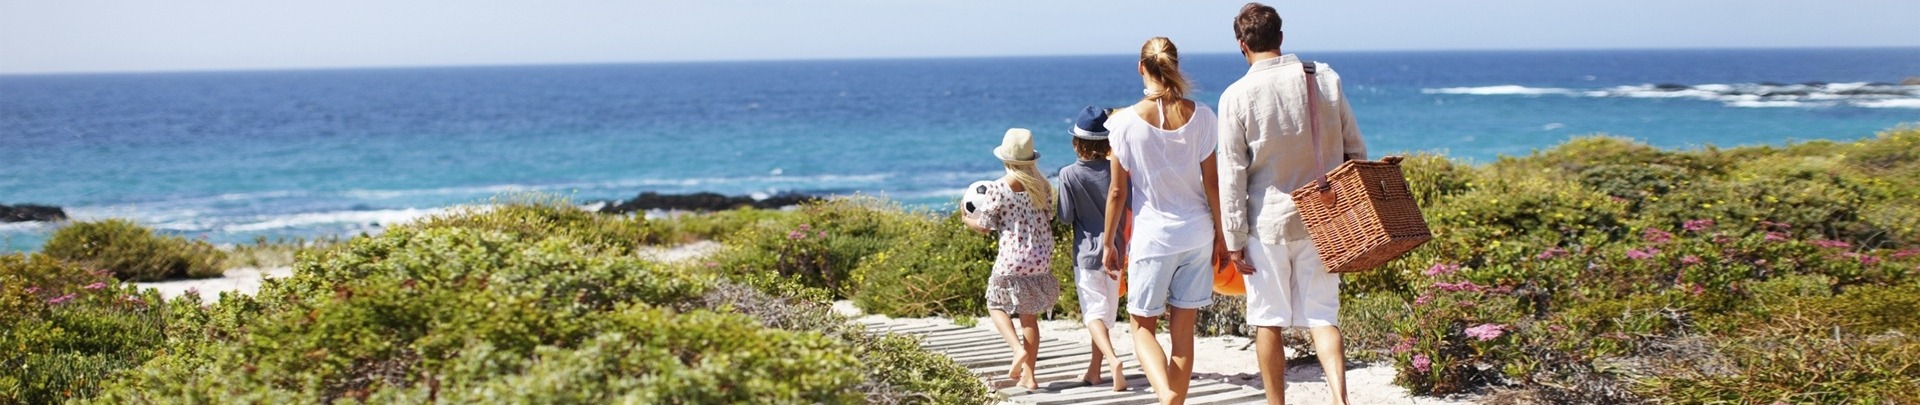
<point>231,156</point>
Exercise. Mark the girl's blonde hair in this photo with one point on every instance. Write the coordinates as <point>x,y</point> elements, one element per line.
<point>1039,191</point>
<point>1162,62</point>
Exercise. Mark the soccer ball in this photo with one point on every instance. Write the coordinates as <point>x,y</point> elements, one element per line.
<point>975,199</point>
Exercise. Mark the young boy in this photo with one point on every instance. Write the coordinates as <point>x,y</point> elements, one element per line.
<point>1083,203</point>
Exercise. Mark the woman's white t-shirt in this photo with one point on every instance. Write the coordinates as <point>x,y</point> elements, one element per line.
<point>1169,199</point>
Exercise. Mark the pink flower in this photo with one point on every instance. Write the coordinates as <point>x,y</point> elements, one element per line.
<point>806,227</point>
<point>1405,345</point>
<point>1698,225</point>
<point>1696,290</point>
<point>1905,253</point>
<point>1556,328</point>
<point>1441,269</point>
<point>1457,287</point>
<point>1719,239</point>
<point>1642,253</point>
<point>1551,252</point>
<point>62,299</point>
<point>1865,260</point>
<point>1421,363</point>
<point>1771,224</point>
<point>1690,260</point>
<point>1776,236</point>
<point>1486,331</point>
<point>822,234</point>
<point>1654,235</point>
<point>1423,299</point>
<point>796,235</point>
<point>1831,244</point>
<point>96,286</point>
<point>33,289</point>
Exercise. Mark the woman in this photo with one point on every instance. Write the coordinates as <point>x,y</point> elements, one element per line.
<point>1163,171</point>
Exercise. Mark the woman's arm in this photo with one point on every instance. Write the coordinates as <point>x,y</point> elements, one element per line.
<point>1117,192</point>
<point>1210,175</point>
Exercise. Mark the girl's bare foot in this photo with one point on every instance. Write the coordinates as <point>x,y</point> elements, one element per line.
<point>1092,377</point>
<point>1019,363</point>
<point>1029,382</point>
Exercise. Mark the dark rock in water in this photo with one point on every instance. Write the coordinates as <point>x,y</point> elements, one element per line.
<point>1774,84</point>
<point>1814,84</point>
<point>30,212</point>
<point>1911,81</point>
<point>1671,86</point>
<point>702,202</point>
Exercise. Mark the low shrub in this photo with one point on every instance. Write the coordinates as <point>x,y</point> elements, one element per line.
<point>132,252</point>
<point>510,305</point>
<point>65,330</point>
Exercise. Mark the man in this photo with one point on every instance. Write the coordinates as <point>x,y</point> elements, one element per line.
<point>1268,148</point>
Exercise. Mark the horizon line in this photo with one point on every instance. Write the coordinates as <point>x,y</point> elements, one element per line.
<point>895,58</point>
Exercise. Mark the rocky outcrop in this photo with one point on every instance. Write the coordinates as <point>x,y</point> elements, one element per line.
<point>702,202</point>
<point>31,212</point>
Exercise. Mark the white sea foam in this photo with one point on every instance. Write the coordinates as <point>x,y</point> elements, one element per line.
<point>1893,103</point>
<point>1513,90</point>
<point>381,217</point>
<point>1774,104</point>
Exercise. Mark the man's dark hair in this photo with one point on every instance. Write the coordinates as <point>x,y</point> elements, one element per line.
<point>1258,26</point>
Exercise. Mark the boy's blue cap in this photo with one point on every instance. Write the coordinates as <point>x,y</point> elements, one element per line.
<point>1091,124</point>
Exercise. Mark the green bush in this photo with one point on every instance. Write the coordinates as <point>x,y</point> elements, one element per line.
<point>1616,272</point>
<point>524,303</point>
<point>64,330</point>
<point>941,269</point>
<point>132,252</point>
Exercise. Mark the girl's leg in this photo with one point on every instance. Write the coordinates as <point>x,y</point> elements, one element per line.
<point>1004,323</point>
<point>1180,366</point>
<point>1153,360</point>
<point>1030,329</point>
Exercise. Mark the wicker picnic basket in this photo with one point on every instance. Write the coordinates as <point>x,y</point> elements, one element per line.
<point>1362,215</point>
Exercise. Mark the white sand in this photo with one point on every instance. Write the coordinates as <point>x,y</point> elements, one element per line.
<point>1222,358</point>
<point>244,280</point>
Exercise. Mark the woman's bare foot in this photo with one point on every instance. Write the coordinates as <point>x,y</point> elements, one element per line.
<point>1119,376</point>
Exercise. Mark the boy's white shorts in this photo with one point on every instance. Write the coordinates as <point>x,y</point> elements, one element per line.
<point>1099,295</point>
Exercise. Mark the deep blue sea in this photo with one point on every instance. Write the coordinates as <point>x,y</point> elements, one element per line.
<point>229,156</point>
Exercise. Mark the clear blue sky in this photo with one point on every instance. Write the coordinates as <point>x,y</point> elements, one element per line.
<point>165,35</point>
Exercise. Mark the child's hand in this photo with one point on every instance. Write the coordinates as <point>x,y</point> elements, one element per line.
<point>1111,262</point>
<point>1239,260</point>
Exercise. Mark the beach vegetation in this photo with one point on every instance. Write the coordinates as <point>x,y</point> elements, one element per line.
<point>131,252</point>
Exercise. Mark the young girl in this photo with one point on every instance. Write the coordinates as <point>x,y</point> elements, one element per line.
<point>1083,203</point>
<point>1020,208</point>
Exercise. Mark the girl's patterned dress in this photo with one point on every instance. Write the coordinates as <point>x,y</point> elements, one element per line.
<point>1022,280</point>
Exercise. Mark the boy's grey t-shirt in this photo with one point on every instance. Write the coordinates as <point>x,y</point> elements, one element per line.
<point>1083,203</point>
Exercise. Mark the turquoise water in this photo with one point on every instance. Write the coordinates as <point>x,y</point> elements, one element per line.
<point>233,155</point>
